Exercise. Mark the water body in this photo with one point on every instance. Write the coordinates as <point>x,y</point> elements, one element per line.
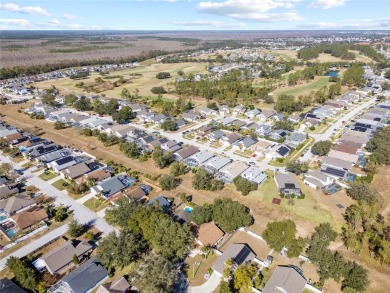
<point>332,73</point>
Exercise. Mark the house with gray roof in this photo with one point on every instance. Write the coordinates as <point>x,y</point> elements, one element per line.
<point>317,179</point>
<point>62,163</point>
<point>198,158</point>
<point>207,111</point>
<point>253,113</point>
<point>83,279</point>
<point>184,153</point>
<point>237,252</point>
<point>231,171</point>
<point>60,259</point>
<point>191,116</point>
<point>7,190</point>
<point>16,204</point>
<point>215,164</point>
<point>245,143</point>
<point>113,185</point>
<point>278,134</point>
<point>160,201</point>
<point>285,279</point>
<point>226,121</point>
<point>267,114</point>
<point>158,119</point>
<point>287,184</point>
<point>171,146</point>
<point>335,167</point>
<point>216,135</point>
<point>230,138</point>
<point>75,171</point>
<point>119,285</point>
<point>53,156</point>
<point>239,109</point>
<point>7,286</point>
<point>254,174</point>
<point>295,139</point>
<point>261,129</point>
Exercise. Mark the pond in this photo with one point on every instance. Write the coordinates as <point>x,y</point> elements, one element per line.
<point>332,73</point>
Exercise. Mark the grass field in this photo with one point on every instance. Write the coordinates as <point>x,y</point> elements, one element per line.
<point>303,89</point>
<point>47,175</point>
<point>197,267</point>
<point>59,184</point>
<point>285,54</point>
<point>95,204</point>
<point>143,83</point>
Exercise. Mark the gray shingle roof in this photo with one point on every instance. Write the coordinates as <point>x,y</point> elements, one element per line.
<point>239,253</point>
<point>285,279</point>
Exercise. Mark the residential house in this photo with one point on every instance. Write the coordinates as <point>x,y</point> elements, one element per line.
<point>312,122</point>
<point>278,134</point>
<point>96,176</point>
<point>285,279</point>
<point>278,117</point>
<point>180,123</point>
<point>182,216</point>
<point>119,285</point>
<point>254,174</point>
<point>215,135</point>
<point>75,171</point>
<point>343,156</point>
<point>226,121</point>
<point>231,171</point>
<point>245,143</point>
<point>287,185</point>
<point>267,114</point>
<point>16,204</point>
<point>253,113</point>
<point>184,153</point>
<point>62,163</point>
<point>239,109</point>
<point>209,234</point>
<point>239,254</point>
<point>7,286</point>
<point>335,168</point>
<point>112,186</point>
<point>278,151</point>
<point>223,110</point>
<point>41,150</point>
<point>214,164</point>
<point>261,129</point>
<point>198,158</point>
<point>295,139</point>
<point>230,138</point>
<point>53,156</point>
<point>238,124</point>
<point>317,179</point>
<point>145,116</point>
<point>30,217</point>
<point>171,146</point>
<point>7,190</point>
<point>191,116</point>
<point>261,147</point>
<point>294,119</point>
<point>136,193</point>
<point>207,111</point>
<point>204,131</point>
<point>158,119</point>
<point>160,201</point>
<point>84,279</point>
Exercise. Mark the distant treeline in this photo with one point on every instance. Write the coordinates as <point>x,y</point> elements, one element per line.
<point>340,51</point>
<point>17,71</point>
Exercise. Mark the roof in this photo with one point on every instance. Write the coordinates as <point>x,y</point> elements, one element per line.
<point>135,193</point>
<point>98,175</point>
<point>76,170</point>
<point>285,279</point>
<point>247,141</point>
<point>234,169</point>
<point>254,174</point>
<point>16,203</point>
<point>209,233</point>
<point>336,162</point>
<point>283,150</point>
<point>345,148</point>
<point>112,185</point>
<point>61,256</point>
<point>162,201</point>
<point>182,216</point>
<point>64,161</point>
<point>343,156</point>
<point>187,151</point>
<point>239,253</point>
<point>318,175</point>
<point>202,157</point>
<point>29,218</point>
<point>285,179</point>
<point>6,190</point>
<point>297,136</point>
<point>7,286</point>
<point>119,285</point>
<point>226,120</point>
<point>86,277</point>
<point>218,162</point>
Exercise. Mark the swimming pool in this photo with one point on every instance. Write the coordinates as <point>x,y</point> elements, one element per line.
<point>332,73</point>
<point>188,209</point>
<point>11,233</point>
<point>2,218</point>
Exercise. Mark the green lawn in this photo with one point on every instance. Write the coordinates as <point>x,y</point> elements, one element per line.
<point>305,88</point>
<point>59,184</point>
<point>95,204</point>
<point>307,208</point>
<point>48,175</point>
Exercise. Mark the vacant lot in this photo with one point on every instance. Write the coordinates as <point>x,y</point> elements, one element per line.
<point>144,82</point>
<point>381,184</point>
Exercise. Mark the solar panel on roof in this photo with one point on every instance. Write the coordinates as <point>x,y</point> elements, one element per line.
<point>242,255</point>
<point>360,129</point>
<point>64,160</point>
<point>289,185</point>
<point>336,172</point>
<point>282,151</point>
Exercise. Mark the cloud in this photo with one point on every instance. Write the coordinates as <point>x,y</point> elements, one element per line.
<point>327,4</point>
<point>68,16</point>
<point>15,21</point>
<point>12,7</point>
<point>352,24</point>
<point>208,23</point>
<point>251,10</point>
<point>55,23</point>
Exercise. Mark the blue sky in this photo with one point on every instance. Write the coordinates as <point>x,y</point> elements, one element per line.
<point>194,14</point>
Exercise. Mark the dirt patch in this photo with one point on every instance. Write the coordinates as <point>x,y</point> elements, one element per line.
<point>381,184</point>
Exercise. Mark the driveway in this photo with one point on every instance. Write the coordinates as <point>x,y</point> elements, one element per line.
<point>211,284</point>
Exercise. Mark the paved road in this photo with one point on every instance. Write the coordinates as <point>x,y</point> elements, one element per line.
<point>81,213</point>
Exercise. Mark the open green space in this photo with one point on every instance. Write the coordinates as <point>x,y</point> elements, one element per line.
<point>95,204</point>
<point>60,184</point>
<point>47,175</point>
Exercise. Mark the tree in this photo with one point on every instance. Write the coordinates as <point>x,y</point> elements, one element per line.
<point>155,274</point>
<point>201,214</point>
<point>244,185</point>
<point>225,287</point>
<point>280,234</point>
<point>180,73</point>
<point>163,75</point>
<point>297,167</point>
<point>75,228</point>
<point>130,149</point>
<point>124,115</point>
<point>162,159</point>
<point>76,260</point>
<point>25,275</point>
<point>178,169</point>
<point>243,277</point>
<point>59,125</point>
<point>361,191</point>
<point>284,124</point>
<point>158,90</point>
<point>321,148</point>
<point>60,214</point>
<point>83,104</point>
<point>70,99</point>
<point>356,278</point>
<point>230,215</point>
<point>205,181</point>
<point>168,182</point>
<point>296,247</point>
<point>353,76</point>
<point>120,214</point>
<point>121,249</point>
<point>168,125</point>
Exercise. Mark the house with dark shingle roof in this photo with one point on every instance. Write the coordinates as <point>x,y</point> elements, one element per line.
<point>15,204</point>
<point>285,279</point>
<point>7,286</point>
<point>113,185</point>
